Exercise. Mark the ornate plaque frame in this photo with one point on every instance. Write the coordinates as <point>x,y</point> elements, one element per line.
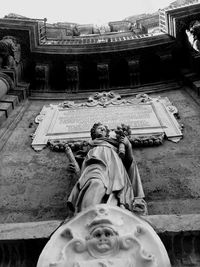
<point>150,119</point>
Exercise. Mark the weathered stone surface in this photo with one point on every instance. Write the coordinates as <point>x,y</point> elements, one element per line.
<point>23,90</point>
<point>162,224</point>
<point>2,117</point>
<point>28,230</point>
<point>10,99</point>
<point>179,233</point>
<point>174,223</point>
<point>18,93</point>
<point>6,107</point>
<point>35,186</point>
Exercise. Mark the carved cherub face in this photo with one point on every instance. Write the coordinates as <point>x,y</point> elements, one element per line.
<point>103,241</point>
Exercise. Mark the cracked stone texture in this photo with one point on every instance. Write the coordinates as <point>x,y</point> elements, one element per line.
<point>35,185</point>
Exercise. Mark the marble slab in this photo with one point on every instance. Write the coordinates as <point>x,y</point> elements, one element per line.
<point>58,122</point>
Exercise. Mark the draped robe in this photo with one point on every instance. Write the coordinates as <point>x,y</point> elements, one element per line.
<point>102,163</point>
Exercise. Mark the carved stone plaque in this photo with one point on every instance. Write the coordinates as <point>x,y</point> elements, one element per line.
<point>70,121</point>
<point>104,236</point>
<point>81,119</point>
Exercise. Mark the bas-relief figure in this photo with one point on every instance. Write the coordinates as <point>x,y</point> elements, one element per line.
<point>106,177</point>
<point>193,35</point>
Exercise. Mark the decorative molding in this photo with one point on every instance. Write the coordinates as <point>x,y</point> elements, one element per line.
<point>54,48</point>
<point>98,99</point>
<point>79,145</point>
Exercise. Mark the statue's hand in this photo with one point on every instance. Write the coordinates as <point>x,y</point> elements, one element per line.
<point>125,141</point>
<point>67,147</point>
<point>72,168</point>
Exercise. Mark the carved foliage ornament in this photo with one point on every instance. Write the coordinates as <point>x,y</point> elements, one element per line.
<point>106,99</point>
<point>97,99</point>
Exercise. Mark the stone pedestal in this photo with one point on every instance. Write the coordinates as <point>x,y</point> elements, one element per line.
<point>72,77</point>
<point>42,76</point>
<point>103,75</point>
<point>134,72</point>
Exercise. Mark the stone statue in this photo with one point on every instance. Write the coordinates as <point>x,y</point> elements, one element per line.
<point>9,52</point>
<point>105,177</point>
<point>103,231</point>
<point>193,35</point>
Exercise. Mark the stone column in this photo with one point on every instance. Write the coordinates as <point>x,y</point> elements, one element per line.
<point>42,76</point>
<point>72,75</point>
<point>134,71</point>
<point>103,75</point>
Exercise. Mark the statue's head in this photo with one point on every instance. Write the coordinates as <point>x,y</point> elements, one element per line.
<point>99,130</point>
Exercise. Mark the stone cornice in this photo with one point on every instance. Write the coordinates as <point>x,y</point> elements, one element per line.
<point>43,229</point>
<point>126,45</point>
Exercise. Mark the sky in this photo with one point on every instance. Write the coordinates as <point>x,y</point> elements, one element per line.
<point>81,11</point>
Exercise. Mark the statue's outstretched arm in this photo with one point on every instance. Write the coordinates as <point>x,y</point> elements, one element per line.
<point>73,166</point>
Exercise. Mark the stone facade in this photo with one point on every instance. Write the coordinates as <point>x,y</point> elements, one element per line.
<point>35,186</point>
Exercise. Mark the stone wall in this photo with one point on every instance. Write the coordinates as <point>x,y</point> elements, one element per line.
<point>35,186</point>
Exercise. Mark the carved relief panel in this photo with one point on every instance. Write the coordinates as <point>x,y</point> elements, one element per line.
<point>104,236</point>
